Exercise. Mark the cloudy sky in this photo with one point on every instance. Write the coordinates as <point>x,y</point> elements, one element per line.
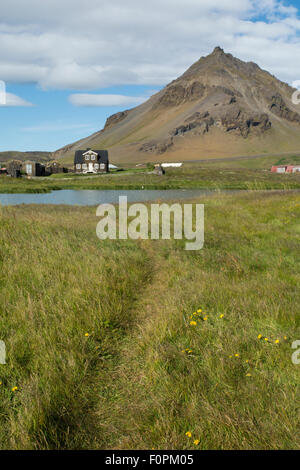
<point>69,64</point>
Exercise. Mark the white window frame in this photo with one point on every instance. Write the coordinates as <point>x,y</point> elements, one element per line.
<point>102,166</point>
<point>93,157</point>
<point>96,166</point>
<point>78,166</point>
<point>84,166</point>
<point>29,168</point>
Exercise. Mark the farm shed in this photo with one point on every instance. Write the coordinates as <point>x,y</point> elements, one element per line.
<point>158,169</point>
<point>278,169</point>
<point>33,168</point>
<point>14,168</point>
<point>285,168</point>
<point>171,165</point>
<point>55,167</point>
<point>293,169</point>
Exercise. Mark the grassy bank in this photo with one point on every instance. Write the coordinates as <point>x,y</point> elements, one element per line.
<point>100,342</point>
<point>190,176</point>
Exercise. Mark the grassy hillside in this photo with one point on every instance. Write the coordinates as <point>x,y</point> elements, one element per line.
<point>215,144</point>
<point>100,343</point>
<point>41,157</point>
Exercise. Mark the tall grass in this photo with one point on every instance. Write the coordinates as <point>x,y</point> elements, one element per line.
<point>144,376</point>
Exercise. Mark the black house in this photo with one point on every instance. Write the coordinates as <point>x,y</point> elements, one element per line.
<point>91,161</point>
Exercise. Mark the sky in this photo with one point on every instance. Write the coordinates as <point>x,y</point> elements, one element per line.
<point>67,65</point>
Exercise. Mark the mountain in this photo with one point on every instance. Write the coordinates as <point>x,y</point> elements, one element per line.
<point>221,106</point>
<point>41,157</point>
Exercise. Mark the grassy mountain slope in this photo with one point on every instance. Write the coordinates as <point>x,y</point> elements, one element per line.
<point>41,157</point>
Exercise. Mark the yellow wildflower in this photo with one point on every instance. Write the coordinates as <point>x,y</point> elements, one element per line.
<point>193,323</point>
<point>196,442</point>
<point>14,389</point>
<point>248,375</point>
<point>188,434</point>
<point>87,335</point>
<point>266,339</point>
<point>205,318</point>
<point>259,336</point>
<point>199,311</point>
<point>277,341</point>
<point>247,360</point>
<point>237,355</point>
<point>285,337</point>
<point>222,315</point>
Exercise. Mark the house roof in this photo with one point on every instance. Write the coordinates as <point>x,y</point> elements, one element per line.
<point>102,156</point>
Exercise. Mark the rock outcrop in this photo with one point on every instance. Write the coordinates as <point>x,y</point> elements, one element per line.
<point>115,119</point>
<point>279,107</point>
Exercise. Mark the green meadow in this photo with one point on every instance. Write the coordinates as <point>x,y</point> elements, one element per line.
<point>245,173</point>
<point>143,345</point>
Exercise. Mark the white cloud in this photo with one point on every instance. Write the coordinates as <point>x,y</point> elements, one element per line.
<point>90,100</point>
<point>83,46</point>
<point>12,100</point>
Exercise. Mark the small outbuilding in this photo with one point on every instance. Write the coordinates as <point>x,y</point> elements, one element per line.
<point>54,167</point>
<point>285,168</point>
<point>293,169</point>
<point>171,165</point>
<point>33,168</point>
<point>159,170</point>
<point>14,168</point>
<point>278,169</point>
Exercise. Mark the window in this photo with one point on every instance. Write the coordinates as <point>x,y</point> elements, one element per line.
<point>29,169</point>
<point>93,157</point>
<point>102,166</point>
<point>96,166</point>
<point>78,166</point>
<point>84,166</point>
<point>87,157</point>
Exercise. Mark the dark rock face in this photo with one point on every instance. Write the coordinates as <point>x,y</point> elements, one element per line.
<point>244,123</point>
<point>233,120</point>
<point>199,123</point>
<point>178,94</point>
<point>279,108</point>
<point>115,118</point>
<point>156,147</point>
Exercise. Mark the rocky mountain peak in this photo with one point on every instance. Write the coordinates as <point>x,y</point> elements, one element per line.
<point>218,101</point>
<point>218,50</point>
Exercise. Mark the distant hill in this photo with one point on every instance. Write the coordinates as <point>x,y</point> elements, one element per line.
<point>221,106</point>
<point>34,156</point>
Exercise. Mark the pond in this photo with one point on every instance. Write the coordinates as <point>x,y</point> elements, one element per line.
<point>94,197</point>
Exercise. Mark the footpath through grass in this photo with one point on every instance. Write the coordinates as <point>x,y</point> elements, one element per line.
<point>106,345</point>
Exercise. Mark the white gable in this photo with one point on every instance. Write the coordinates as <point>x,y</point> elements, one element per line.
<point>90,152</point>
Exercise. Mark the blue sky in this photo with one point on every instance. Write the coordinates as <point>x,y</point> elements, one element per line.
<point>67,70</point>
